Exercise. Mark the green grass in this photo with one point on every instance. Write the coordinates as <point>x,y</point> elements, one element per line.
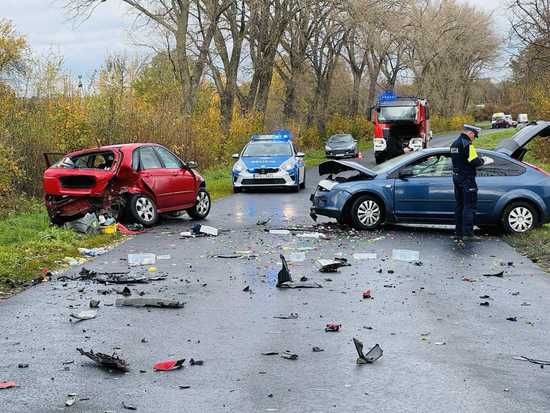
<point>28,244</point>
<point>492,138</point>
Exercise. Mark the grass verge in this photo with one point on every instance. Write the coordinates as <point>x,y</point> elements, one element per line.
<point>29,244</point>
<point>535,244</point>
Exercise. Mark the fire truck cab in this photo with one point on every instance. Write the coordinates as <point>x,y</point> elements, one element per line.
<point>399,122</point>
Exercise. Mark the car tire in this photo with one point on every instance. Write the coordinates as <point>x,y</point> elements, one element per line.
<point>143,210</point>
<point>201,209</point>
<point>519,217</point>
<point>303,184</point>
<point>367,213</point>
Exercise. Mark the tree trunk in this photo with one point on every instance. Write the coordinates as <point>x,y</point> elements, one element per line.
<point>354,106</point>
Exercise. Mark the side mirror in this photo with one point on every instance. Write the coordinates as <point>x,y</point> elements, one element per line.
<point>192,164</point>
<point>235,156</point>
<point>300,154</point>
<point>405,172</point>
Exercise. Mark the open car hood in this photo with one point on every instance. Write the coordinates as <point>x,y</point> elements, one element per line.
<point>515,146</point>
<point>335,167</point>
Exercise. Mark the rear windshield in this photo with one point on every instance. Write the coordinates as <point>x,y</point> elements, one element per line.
<point>95,160</point>
<point>268,149</point>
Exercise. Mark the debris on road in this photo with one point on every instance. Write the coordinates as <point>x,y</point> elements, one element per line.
<point>316,349</point>
<point>7,385</point>
<point>83,315</point>
<point>542,363</point>
<point>92,252</point>
<point>88,224</point>
<point>263,221</point>
<point>270,353</point>
<point>484,304</point>
<point>94,303</point>
<point>144,258</point>
<point>512,319</point>
<point>498,274</point>
<point>128,406</point>
<point>246,289</point>
<point>374,353</point>
<point>134,229</point>
<point>148,302</point>
<point>291,316</point>
<point>284,280</point>
<point>106,361</point>
<point>72,398</point>
<point>314,235</point>
<point>484,297</point>
<point>194,362</point>
<point>23,365</point>
<point>406,255</point>
<point>279,231</point>
<point>289,355</point>
<point>367,294</point>
<point>333,328</point>
<point>199,229</point>
<point>332,265</point>
<point>169,365</point>
<point>364,256</point>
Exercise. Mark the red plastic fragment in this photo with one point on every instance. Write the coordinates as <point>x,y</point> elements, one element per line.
<point>168,365</point>
<point>7,384</point>
<point>125,231</point>
<point>333,327</point>
<point>367,294</point>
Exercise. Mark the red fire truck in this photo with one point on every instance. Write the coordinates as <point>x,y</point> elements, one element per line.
<point>399,123</point>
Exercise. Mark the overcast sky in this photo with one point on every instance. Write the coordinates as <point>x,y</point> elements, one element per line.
<point>85,45</point>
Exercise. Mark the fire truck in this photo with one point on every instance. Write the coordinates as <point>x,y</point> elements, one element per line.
<point>399,122</point>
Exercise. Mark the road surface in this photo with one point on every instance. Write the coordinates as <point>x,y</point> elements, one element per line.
<point>443,352</point>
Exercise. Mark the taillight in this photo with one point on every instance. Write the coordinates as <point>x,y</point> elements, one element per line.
<point>537,168</point>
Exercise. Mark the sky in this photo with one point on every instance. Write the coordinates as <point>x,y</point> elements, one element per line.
<point>85,44</point>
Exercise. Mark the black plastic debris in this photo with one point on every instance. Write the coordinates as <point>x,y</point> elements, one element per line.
<point>148,302</point>
<point>126,292</point>
<point>542,363</point>
<point>71,399</point>
<point>270,353</point>
<point>484,297</point>
<point>497,274</point>
<point>374,353</point>
<point>289,355</point>
<point>284,280</point>
<point>246,289</point>
<point>128,406</point>
<point>22,365</point>
<point>104,360</point>
<point>194,362</point>
<point>512,319</point>
<point>316,349</point>
<point>332,265</point>
<point>484,304</point>
<point>94,303</point>
<point>263,221</point>
<point>291,316</point>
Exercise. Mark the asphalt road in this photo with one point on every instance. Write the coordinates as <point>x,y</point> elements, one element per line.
<point>443,352</point>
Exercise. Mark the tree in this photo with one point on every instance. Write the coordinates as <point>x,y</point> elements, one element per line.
<point>12,52</point>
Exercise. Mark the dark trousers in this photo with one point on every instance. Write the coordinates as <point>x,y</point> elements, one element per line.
<point>466,205</point>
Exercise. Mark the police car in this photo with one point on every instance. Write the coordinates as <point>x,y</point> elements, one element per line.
<point>269,161</point>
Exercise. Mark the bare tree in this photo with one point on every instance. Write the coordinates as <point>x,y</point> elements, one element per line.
<point>531,25</point>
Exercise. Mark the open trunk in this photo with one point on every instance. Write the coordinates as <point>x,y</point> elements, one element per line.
<point>515,146</point>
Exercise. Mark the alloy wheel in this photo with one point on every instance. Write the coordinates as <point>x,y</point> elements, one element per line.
<point>203,203</point>
<point>145,209</point>
<point>369,213</point>
<point>521,219</point>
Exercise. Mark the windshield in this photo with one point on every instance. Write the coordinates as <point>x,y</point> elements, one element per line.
<point>397,113</point>
<point>388,165</point>
<point>340,139</point>
<point>268,149</point>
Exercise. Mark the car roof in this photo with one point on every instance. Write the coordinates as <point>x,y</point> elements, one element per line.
<point>122,146</point>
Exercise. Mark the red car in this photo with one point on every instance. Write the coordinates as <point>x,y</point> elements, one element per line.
<point>139,180</point>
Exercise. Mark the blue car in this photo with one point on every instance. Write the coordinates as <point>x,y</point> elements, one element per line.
<point>269,161</point>
<point>418,187</point>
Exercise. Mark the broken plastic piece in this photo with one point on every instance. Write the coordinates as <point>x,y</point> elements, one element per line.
<point>126,230</point>
<point>512,319</point>
<point>104,360</point>
<point>279,231</point>
<point>71,399</point>
<point>263,221</point>
<point>289,356</point>
<point>168,365</point>
<point>314,235</point>
<point>333,328</point>
<point>7,384</point>
<point>128,406</point>
<point>406,255</point>
<point>534,361</point>
<point>92,252</point>
<point>204,229</point>
<point>147,258</point>
<point>284,274</point>
<point>367,294</point>
<point>498,274</point>
<point>291,316</point>
<point>194,362</point>
<point>364,256</point>
<point>316,349</point>
<point>148,302</point>
<point>270,353</point>
<point>484,304</point>
<point>332,265</point>
<point>84,315</point>
<point>94,303</point>
<point>374,353</point>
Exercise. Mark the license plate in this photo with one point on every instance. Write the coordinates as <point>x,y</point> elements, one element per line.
<point>264,176</point>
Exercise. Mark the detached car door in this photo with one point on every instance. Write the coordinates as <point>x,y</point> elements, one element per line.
<point>427,193</point>
<point>181,179</point>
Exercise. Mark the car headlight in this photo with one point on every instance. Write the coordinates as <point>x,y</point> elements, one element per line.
<point>288,164</point>
<point>239,166</point>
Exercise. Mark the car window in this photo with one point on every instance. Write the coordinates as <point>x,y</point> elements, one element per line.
<point>341,139</point>
<point>148,159</point>
<point>500,167</point>
<point>103,161</point>
<point>268,149</point>
<point>169,160</point>
<point>95,160</point>
<point>434,166</point>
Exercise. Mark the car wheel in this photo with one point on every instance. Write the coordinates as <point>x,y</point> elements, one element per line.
<point>519,217</point>
<point>367,212</point>
<point>143,210</point>
<point>303,184</point>
<point>202,205</point>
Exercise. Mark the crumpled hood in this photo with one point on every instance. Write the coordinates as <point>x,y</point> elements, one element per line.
<point>259,162</point>
<point>335,167</point>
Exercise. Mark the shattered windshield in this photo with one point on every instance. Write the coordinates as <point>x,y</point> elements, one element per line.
<point>397,113</point>
<point>268,149</point>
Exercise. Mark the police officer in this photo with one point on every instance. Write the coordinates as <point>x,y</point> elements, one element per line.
<point>465,161</point>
